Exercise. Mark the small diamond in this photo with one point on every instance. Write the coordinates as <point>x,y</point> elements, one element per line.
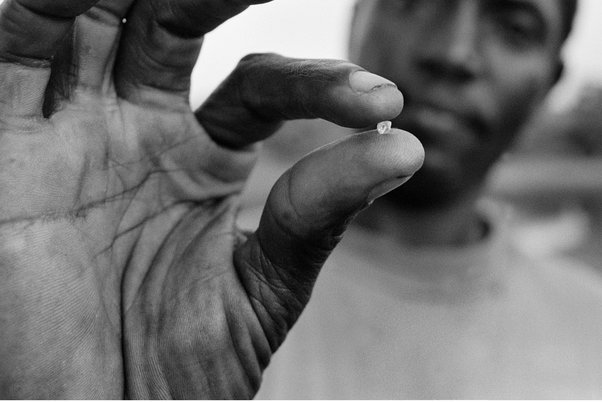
<point>384,127</point>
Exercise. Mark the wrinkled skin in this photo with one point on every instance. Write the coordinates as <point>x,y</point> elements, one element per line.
<point>122,273</point>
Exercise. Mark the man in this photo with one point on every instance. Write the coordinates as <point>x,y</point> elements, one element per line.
<point>427,298</point>
<point>121,270</point>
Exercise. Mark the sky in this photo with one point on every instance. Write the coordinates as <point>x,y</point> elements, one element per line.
<point>318,29</point>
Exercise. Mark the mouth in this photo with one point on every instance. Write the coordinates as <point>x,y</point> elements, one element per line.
<point>435,124</point>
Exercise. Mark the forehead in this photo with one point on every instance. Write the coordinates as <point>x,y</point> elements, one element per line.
<point>551,10</point>
<point>548,12</point>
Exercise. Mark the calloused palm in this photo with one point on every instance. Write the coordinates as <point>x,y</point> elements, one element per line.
<point>122,272</point>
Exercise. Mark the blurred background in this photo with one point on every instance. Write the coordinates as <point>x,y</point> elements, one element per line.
<point>553,175</point>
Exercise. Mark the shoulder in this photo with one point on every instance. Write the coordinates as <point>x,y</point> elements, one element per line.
<point>572,276</point>
<point>571,288</point>
<point>560,274</point>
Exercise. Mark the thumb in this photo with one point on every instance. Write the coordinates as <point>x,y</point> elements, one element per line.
<point>306,215</point>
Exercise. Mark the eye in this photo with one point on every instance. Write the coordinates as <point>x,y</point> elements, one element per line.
<point>402,6</point>
<point>519,28</point>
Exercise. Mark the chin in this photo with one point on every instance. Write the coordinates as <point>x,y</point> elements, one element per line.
<point>428,189</point>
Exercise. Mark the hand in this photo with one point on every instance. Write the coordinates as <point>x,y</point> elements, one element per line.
<point>122,273</point>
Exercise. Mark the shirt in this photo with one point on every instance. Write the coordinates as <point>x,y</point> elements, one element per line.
<point>478,322</point>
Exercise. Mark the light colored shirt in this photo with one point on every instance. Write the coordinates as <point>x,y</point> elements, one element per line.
<point>482,322</point>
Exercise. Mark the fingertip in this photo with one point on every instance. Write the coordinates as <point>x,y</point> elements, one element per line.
<point>387,103</point>
<point>406,150</point>
<point>395,154</point>
<point>387,98</point>
<point>365,99</point>
<point>363,81</point>
<point>337,179</point>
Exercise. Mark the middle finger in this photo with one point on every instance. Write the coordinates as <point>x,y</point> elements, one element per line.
<point>97,35</point>
<point>162,41</point>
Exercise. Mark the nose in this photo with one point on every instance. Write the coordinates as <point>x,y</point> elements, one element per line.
<point>451,43</point>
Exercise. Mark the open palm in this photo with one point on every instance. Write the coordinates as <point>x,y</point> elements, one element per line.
<point>122,272</point>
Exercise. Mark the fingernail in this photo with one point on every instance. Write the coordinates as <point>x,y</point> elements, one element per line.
<point>363,81</point>
<point>386,187</point>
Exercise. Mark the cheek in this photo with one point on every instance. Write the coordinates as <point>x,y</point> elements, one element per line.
<point>518,105</point>
<point>518,86</point>
<point>515,96</point>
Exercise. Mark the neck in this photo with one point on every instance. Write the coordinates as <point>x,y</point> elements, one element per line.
<point>455,224</point>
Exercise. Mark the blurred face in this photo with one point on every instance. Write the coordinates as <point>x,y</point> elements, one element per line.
<point>471,72</point>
